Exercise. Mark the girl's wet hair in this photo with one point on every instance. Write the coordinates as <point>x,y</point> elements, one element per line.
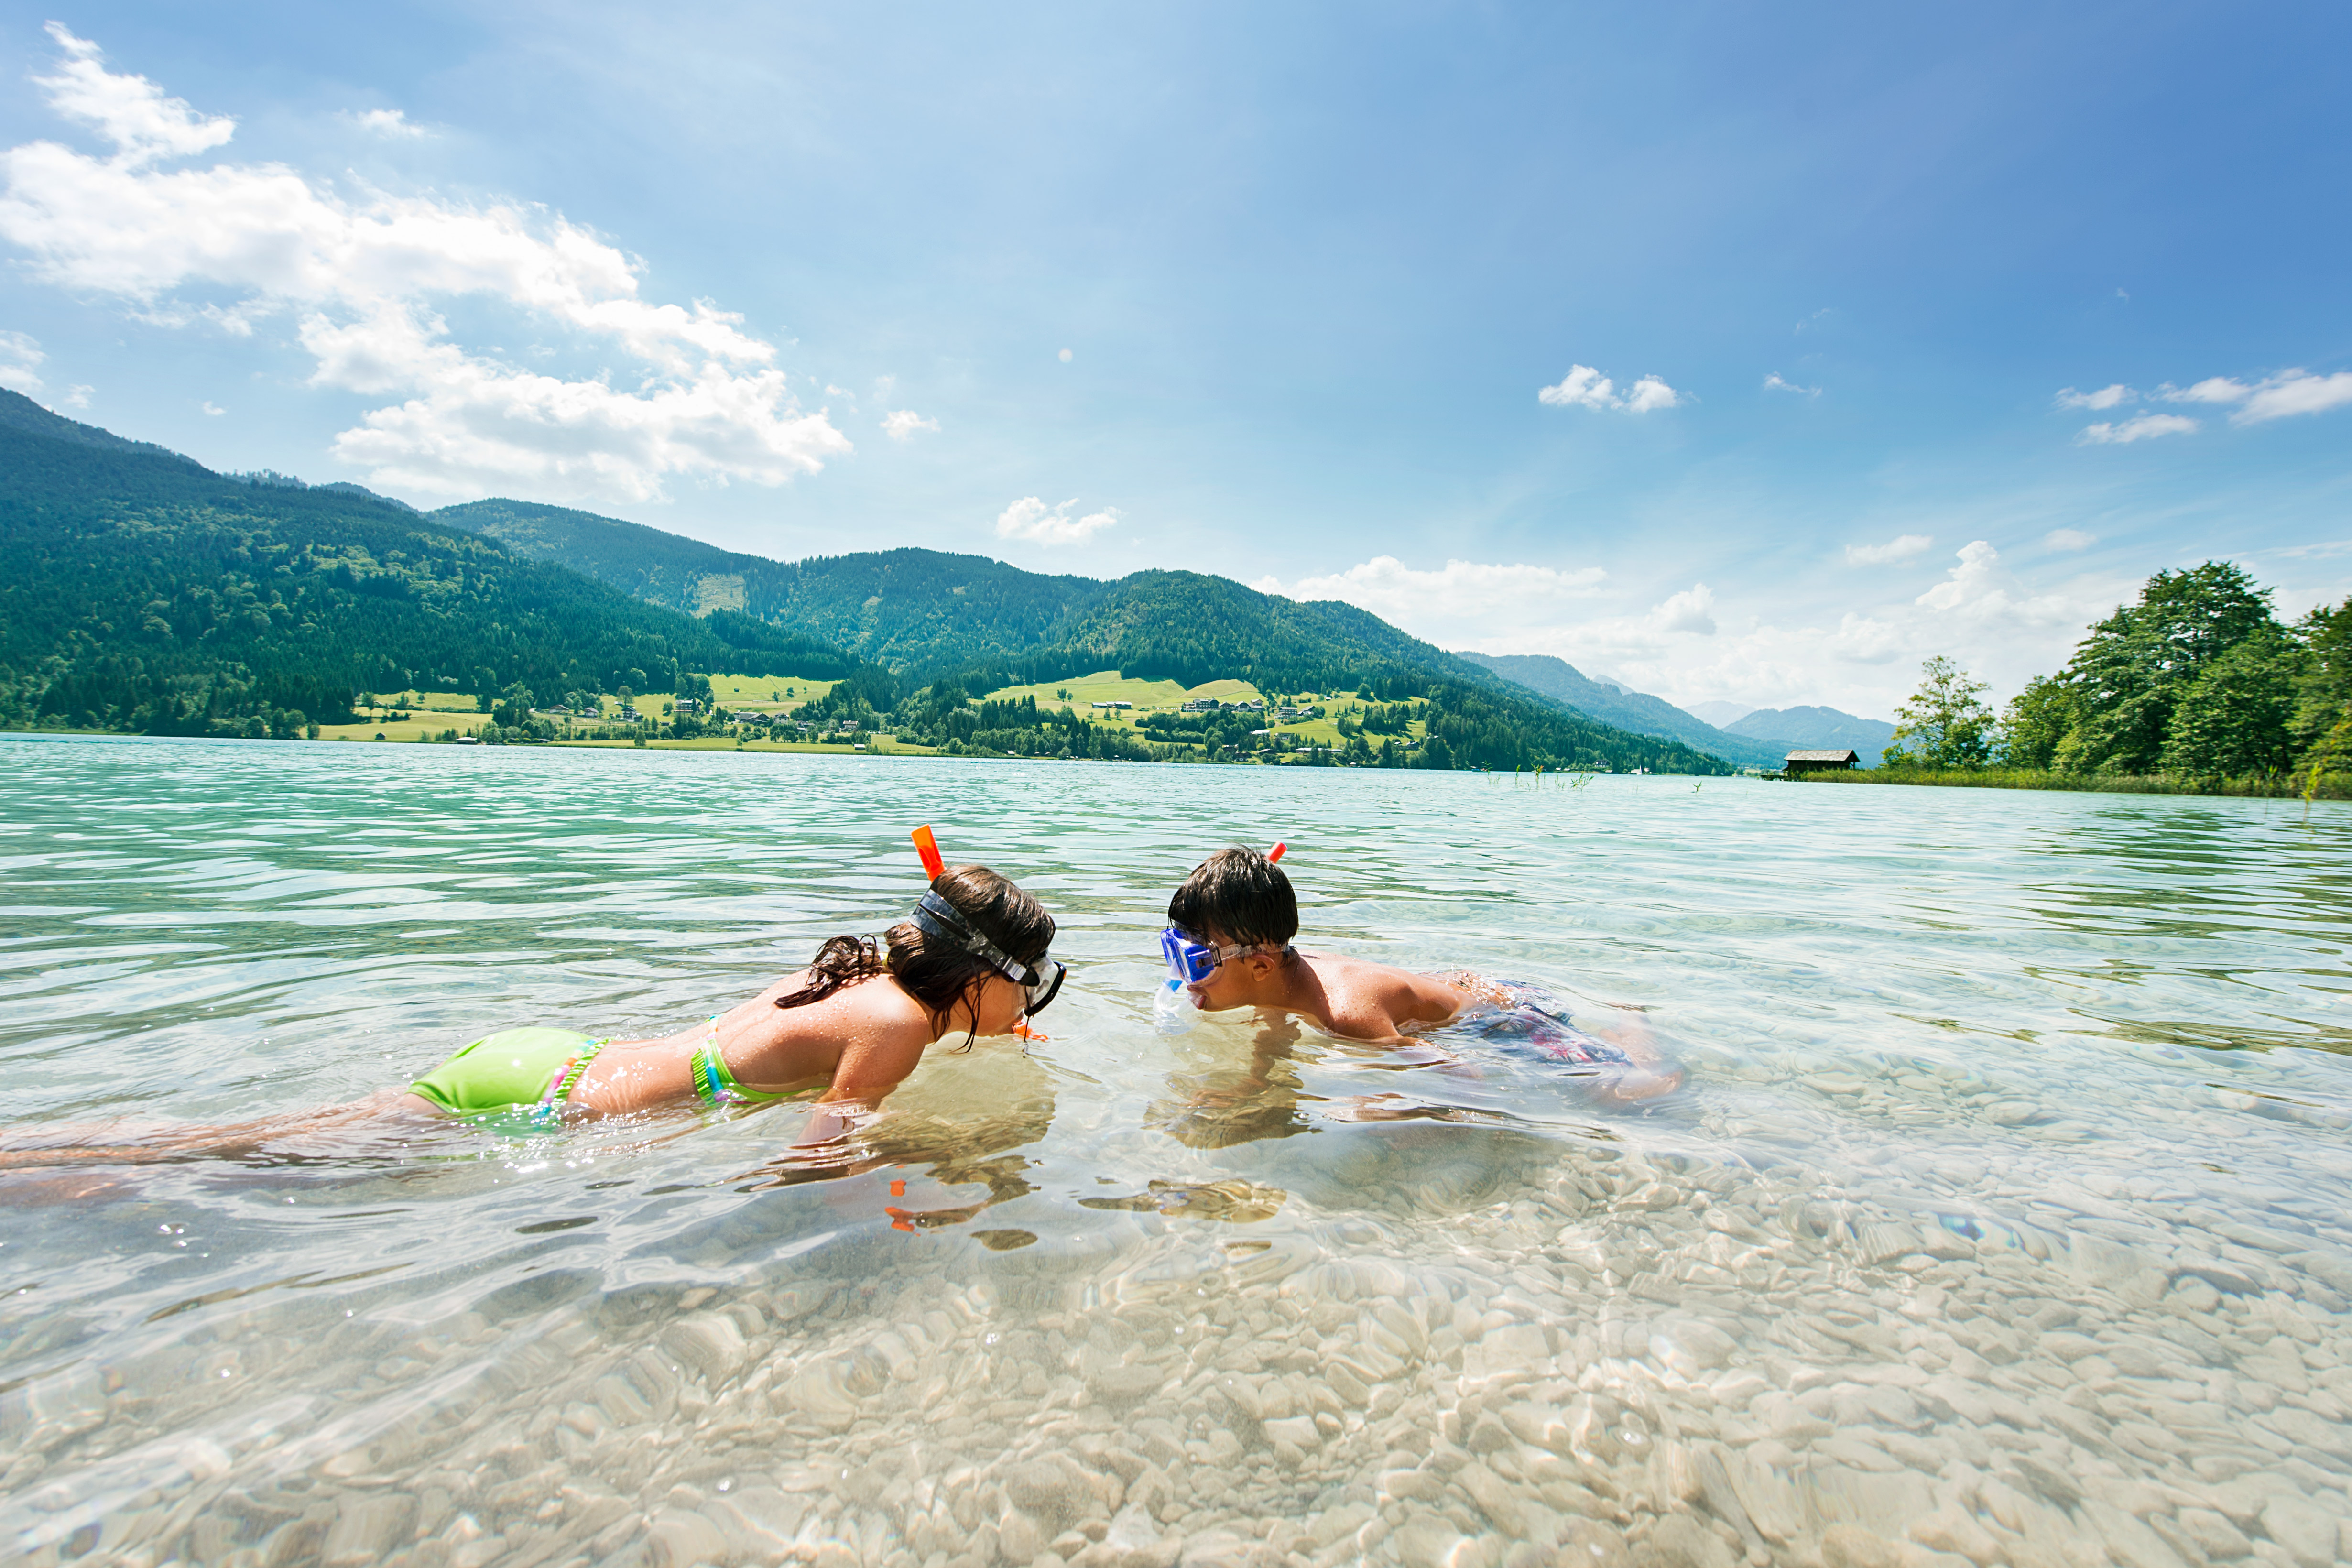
<point>1238,895</point>
<point>937,974</point>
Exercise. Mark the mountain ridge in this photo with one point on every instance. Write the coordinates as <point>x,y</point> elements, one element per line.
<point>141,591</point>
<point>1611,704</point>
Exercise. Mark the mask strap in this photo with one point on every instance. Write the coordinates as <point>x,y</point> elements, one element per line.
<point>937,917</point>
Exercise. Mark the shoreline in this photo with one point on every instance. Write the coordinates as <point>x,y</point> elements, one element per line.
<point>2327,786</point>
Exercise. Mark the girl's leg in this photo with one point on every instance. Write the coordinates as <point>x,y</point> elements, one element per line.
<point>127,1143</point>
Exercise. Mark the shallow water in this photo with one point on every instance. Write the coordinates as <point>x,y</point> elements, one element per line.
<point>2001,1220</point>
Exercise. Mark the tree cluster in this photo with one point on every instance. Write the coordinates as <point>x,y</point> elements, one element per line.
<point>2196,679</point>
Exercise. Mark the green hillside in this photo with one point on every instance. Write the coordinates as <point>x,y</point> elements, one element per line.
<point>139,591</point>
<point>922,611</point>
<point>961,627</point>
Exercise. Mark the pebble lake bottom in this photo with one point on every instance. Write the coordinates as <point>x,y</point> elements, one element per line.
<point>2002,1218</point>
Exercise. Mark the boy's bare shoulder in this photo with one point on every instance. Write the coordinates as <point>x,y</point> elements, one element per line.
<point>1363,1000</point>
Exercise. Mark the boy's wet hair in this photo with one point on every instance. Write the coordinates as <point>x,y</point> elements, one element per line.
<point>1238,895</point>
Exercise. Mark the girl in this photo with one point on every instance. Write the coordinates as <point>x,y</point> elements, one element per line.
<point>971,959</point>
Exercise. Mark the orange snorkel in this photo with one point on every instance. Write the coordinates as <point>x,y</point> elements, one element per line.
<point>935,866</point>
<point>1273,855</point>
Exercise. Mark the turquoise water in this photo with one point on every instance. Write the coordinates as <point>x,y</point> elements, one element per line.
<point>2001,1220</point>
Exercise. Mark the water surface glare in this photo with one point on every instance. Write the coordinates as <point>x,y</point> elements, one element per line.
<point>2002,1219</point>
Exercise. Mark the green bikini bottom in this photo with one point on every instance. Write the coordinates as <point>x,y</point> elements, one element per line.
<point>534,1068</point>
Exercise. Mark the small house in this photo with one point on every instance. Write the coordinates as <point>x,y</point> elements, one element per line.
<point>1819,761</point>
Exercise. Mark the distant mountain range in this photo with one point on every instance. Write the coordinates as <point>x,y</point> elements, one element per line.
<point>1718,714</point>
<point>1826,728</point>
<point>1762,737</point>
<point>141,592</point>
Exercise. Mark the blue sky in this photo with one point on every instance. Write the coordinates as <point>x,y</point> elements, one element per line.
<point>1869,333</point>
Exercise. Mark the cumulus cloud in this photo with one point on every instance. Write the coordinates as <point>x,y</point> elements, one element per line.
<point>213,408</point>
<point>1776,382</point>
<point>1034,521</point>
<point>1858,654</point>
<point>1980,589</point>
<point>20,362</point>
<point>1692,610</point>
<point>2069,539</point>
<point>2106,397</point>
<point>1585,387</point>
<point>1459,590</point>
<point>2140,427</point>
<point>361,275</point>
<point>902,424</point>
<point>128,111</point>
<point>1904,547</point>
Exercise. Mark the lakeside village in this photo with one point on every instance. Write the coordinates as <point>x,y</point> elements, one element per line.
<point>1100,716</point>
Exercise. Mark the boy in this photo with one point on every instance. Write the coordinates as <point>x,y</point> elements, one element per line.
<point>1229,941</point>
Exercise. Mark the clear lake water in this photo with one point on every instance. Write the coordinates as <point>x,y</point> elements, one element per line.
<point>2002,1218</point>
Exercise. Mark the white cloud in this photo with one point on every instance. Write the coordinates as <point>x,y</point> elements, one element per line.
<point>389,123</point>
<point>2069,539</point>
<point>1692,610</point>
<point>361,275</point>
<point>2296,391</point>
<point>2104,398</point>
<point>1459,590</point>
<point>1582,385</point>
<point>2290,392</point>
<point>1066,356</point>
<point>901,423</point>
<point>129,111</point>
<point>1585,387</point>
<point>213,409</point>
<point>2140,427</point>
<point>78,397</point>
<point>1776,382</point>
<point>1905,547</point>
<point>1979,589</point>
<point>1034,521</point>
<point>20,362</point>
<point>1650,393</point>
<point>2212,389</point>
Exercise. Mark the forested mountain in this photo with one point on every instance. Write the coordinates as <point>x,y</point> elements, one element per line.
<point>139,591</point>
<point>1784,730</point>
<point>1634,710</point>
<point>966,625</point>
<point>920,611</point>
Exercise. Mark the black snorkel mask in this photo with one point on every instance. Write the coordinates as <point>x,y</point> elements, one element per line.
<point>942,921</point>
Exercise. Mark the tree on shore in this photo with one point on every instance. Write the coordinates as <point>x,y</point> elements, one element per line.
<point>2196,679</point>
<point>2139,668</point>
<point>2036,722</point>
<point>1944,724</point>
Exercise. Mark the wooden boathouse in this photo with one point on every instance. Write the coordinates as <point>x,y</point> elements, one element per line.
<point>1819,761</point>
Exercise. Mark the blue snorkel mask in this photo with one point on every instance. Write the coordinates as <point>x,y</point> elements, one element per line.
<point>1192,961</point>
<point>1042,982</point>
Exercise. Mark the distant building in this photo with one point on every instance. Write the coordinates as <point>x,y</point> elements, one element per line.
<point>689,705</point>
<point>1819,761</point>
